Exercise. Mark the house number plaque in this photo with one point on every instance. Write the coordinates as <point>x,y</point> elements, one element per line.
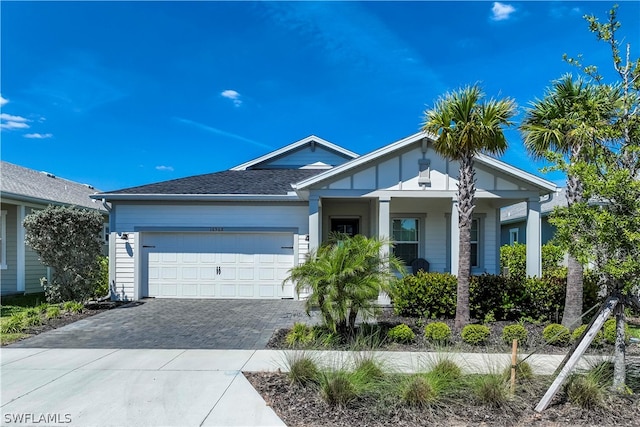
<point>217,228</point>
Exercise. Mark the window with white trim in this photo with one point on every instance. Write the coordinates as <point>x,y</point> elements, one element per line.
<point>405,234</point>
<point>3,239</point>
<point>105,233</point>
<point>513,235</point>
<point>475,243</point>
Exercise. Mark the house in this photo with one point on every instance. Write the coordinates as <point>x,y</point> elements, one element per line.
<point>23,191</point>
<point>513,219</point>
<point>236,233</point>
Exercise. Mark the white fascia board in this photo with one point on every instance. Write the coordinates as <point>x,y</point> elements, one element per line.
<point>292,147</point>
<point>362,160</point>
<point>545,186</point>
<point>292,197</point>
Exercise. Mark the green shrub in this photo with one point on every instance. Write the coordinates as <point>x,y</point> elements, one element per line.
<point>53,311</point>
<point>552,257</point>
<point>368,370</point>
<point>609,330</point>
<point>302,370</point>
<point>523,371</point>
<point>475,334</point>
<point>490,389</point>
<point>577,333</point>
<point>494,297</point>
<point>431,295</point>
<point>101,287</point>
<point>556,334</point>
<point>437,333</point>
<point>514,332</point>
<point>73,307</point>
<point>585,391</point>
<point>447,369</point>
<point>31,320</point>
<point>300,334</point>
<point>543,297</point>
<point>12,324</point>
<point>420,390</point>
<point>513,259</point>
<point>401,333</point>
<point>337,389</point>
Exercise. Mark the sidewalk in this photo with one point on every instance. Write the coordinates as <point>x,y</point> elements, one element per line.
<point>111,387</point>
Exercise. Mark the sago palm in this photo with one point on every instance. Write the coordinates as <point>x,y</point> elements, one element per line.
<point>567,122</point>
<point>344,278</point>
<point>466,124</point>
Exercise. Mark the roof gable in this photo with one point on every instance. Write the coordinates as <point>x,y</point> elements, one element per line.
<point>412,164</point>
<point>25,184</point>
<point>310,153</point>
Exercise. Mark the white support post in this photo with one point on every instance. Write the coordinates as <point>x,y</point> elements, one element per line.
<point>384,232</point>
<point>534,239</point>
<point>314,222</point>
<point>21,249</point>
<point>455,237</point>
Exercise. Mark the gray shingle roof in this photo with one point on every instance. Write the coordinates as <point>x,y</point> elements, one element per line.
<point>265,181</point>
<point>519,210</point>
<point>23,183</point>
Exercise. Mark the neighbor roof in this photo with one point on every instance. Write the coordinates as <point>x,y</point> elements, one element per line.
<point>230,182</point>
<point>518,211</point>
<point>20,183</point>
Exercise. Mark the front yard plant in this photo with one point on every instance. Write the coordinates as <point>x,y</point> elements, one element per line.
<point>401,333</point>
<point>556,334</point>
<point>437,333</point>
<point>475,334</point>
<point>514,332</point>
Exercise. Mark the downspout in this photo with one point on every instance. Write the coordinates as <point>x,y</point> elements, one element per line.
<point>111,295</point>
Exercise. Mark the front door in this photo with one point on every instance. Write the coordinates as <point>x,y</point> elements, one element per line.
<point>348,226</point>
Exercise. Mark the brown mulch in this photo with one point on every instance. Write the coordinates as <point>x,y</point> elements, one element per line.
<point>300,406</point>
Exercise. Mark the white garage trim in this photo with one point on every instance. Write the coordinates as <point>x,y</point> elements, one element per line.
<point>216,264</point>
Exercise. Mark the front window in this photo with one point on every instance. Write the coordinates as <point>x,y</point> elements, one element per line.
<point>405,235</point>
<point>475,238</point>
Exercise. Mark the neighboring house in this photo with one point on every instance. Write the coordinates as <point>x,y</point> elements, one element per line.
<point>23,191</point>
<point>236,233</point>
<point>513,219</point>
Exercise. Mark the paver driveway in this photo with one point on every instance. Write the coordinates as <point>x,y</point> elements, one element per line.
<point>184,324</point>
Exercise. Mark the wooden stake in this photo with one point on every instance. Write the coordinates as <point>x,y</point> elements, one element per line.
<point>514,360</point>
<point>577,354</point>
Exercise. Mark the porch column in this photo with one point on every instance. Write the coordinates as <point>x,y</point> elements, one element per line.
<point>314,222</point>
<point>455,237</point>
<point>534,238</point>
<point>383,219</point>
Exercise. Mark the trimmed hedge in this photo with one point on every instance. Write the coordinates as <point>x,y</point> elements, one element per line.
<point>437,332</point>
<point>556,334</point>
<point>514,332</point>
<point>401,333</point>
<point>431,295</point>
<point>475,334</point>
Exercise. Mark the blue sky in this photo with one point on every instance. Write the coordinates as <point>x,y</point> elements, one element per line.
<point>118,94</point>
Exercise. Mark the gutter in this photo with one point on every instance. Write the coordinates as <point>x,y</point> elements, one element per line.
<point>197,197</point>
<point>37,200</point>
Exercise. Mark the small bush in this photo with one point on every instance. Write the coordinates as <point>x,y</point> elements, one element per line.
<point>401,333</point>
<point>447,370</point>
<point>73,307</point>
<point>337,389</point>
<point>52,312</point>
<point>514,332</point>
<point>475,334</point>
<point>431,295</point>
<point>577,333</point>
<point>300,334</point>
<point>31,320</point>
<point>12,324</point>
<point>490,389</point>
<point>437,332</point>
<point>556,334</point>
<point>585,391</point>
<point>303,370</point>
<point>419,390</point>
<point>101,287</point>
<point>368,370</point>
<point>523,371</point>
<point>609,330</point>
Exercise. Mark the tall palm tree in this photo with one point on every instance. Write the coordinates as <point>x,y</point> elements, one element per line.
<point>465,124</point>
<point>567,121</point>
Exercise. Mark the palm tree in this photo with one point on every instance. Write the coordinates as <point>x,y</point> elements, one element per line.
<point>466,125</point>
<point>567,121</point>
<point>344,278</point>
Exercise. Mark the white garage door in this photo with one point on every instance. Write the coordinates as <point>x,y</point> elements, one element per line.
<point>218,265</point>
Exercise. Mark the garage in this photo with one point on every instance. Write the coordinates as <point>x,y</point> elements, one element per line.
<point>217,265</point>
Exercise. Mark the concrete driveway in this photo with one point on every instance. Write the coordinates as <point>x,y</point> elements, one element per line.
<point>177,324</point>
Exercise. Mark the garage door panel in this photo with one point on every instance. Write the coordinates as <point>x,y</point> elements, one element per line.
<point>213,265</point>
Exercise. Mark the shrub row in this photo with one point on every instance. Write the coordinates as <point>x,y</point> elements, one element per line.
<point>433,295</point>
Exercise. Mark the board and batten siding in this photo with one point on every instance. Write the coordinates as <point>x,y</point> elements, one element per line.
<point>305,156</point>
<point>130,218</point>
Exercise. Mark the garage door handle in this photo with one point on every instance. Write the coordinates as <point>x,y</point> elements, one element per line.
<point>286,247</point>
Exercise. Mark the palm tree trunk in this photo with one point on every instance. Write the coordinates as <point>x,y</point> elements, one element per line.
<point>466,204</point>
<point>575,273</point>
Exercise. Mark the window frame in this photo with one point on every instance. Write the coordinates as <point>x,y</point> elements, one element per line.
<point>415,242</point>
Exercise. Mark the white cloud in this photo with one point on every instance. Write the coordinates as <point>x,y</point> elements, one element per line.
<point>8,121</point>
<point>164,168</point>
<point>3,100</point>
<point>501,11</point>
<point>38,135</point>
<point>232,95</point>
